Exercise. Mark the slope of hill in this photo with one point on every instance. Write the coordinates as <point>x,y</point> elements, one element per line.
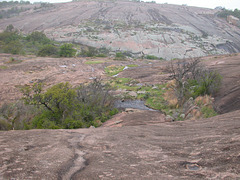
<point>162,30</point>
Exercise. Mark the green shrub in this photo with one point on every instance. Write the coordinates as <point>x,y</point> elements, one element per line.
<point>39,37</point>
<point>4,125</point>
<point>90,52</point>
<point>152,57</point>
<point>193,79</point>
<point>62,106</point>
<point>48,50</point>
<point>208,112</point>
<point>66,50</point>
<point>13,47</point>
<point>16,114</point>
<point>207,83</point>
<point>120,56</point>
<point>101,55</point>
<point>8,37</point>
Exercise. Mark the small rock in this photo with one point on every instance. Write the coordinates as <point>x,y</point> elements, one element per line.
<point>126,67</point>
<point>182,116</point>
<point>141,92</point>
<point>169,118</point>
<point>139,84</point>
<point>132,93</point>
<point>63,66</point>
<point>175,115</point>
<point>154,87</point>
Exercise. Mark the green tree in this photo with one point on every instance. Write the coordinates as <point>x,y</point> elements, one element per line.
<point>66,50</point>
<point>55,103</point>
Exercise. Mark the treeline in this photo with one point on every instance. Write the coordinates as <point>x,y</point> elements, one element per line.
<point>37,43</point>
<point>225,13</point>
<point>14,11</point>
<point>4,4</point>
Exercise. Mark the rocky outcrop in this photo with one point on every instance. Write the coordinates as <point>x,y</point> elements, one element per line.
<point>163,30</point>
<point>233,20</point>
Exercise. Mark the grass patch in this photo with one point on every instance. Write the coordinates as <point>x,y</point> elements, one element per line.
<point>124,83</point>
<point>132,65</point>
<point>94,62</point>
<point>153,96</point>
<point>208,112</point>
<point>113,70</point>
<point>152,57</point>
<point>13,61</point>
<point>3,67</point>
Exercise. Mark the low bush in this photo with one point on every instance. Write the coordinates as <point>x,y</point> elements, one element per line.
<point>113,70</point>
<point>48,50</point>
<point>193,79</point>
<point>120,56</point>
<point>152,57</point>
<point>39,37</point>
<point>67,50</point>
<point>63,106</point>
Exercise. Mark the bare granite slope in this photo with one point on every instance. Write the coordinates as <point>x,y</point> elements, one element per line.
<point>200,149</point>
<point>163,30</point>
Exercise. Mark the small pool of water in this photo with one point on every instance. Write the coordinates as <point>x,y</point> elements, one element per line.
<point>135,104</point>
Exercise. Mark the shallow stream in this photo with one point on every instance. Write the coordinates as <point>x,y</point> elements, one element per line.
<point>135,104</point>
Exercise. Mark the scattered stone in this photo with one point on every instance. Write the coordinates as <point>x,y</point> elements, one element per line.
<point>115,75</point>
<point>141,92</point>
<point>126,67</point>
<point>139,84</point>
<point>63,66</point>
<point>182,116</point>
<point>154,87</point>
<point>169,118</point>
<point>132,93</point>
<point>193,167</point>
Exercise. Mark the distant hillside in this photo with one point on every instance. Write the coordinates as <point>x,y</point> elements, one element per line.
<point>162,30</point>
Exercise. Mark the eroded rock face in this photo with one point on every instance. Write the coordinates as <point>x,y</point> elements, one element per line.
<point>162,30</point>
<point>147,149</point>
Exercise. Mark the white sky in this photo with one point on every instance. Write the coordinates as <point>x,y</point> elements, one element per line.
<point>228,4</point>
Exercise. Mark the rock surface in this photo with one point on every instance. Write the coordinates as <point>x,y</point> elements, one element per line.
<point>200,149</point>
<point>163,30</point>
